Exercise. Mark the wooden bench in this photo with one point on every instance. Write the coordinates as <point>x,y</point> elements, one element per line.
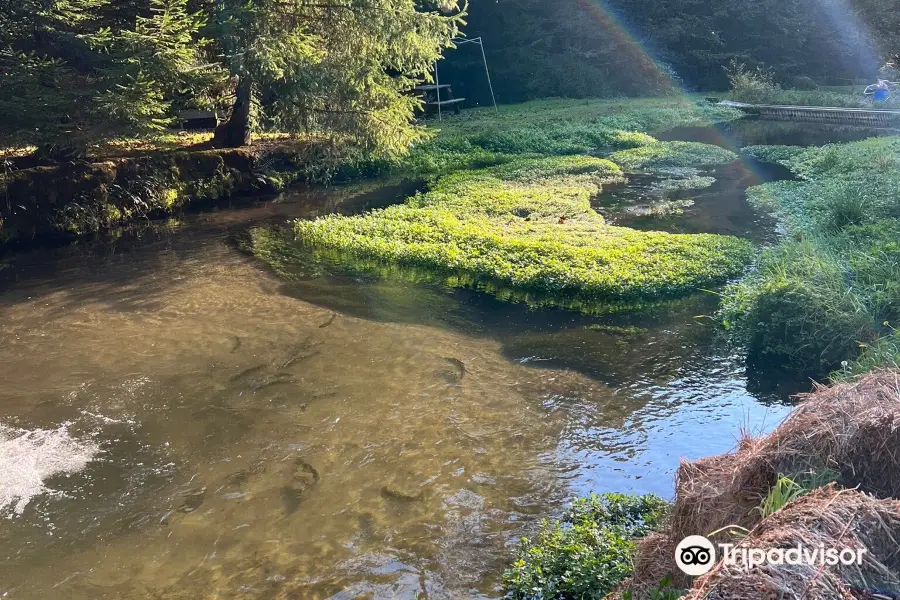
<point>430,94</point>
<point>197,119</point>
<point>455,103</point>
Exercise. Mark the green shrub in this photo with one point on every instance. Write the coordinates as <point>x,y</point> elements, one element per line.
<point>587,553</point>
<point>797,310</point>
<point>755,86</point>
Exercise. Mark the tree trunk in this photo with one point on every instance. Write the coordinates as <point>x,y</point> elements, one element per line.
<point>235,132</point>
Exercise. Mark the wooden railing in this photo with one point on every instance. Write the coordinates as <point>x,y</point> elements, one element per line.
<point>872,117</point>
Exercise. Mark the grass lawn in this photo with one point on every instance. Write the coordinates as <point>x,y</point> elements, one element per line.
<point>828,296</point>
<point>840,96</point>
<point>485,136</point>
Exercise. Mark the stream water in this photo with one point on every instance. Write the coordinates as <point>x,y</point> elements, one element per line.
<point>177,422</point>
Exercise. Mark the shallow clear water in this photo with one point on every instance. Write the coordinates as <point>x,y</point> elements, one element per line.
<point>216,432</point>
<point>720,208</point>
<point>329,438</point>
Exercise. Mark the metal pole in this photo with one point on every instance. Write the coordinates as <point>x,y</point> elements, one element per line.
<point>488,73</point>
<point>437,83</point>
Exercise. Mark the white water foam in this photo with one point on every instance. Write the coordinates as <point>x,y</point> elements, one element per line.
<point>30,457</point>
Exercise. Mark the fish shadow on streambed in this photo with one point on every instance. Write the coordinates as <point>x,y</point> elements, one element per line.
<point>455,373</point>
<point>269,374</point>
<point>303,478</point>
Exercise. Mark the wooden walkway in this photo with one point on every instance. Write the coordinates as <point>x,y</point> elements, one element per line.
<point>872,117</point>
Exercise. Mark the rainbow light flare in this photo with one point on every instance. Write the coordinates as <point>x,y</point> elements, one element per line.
<point>636,54</point>
<point>628,42</point>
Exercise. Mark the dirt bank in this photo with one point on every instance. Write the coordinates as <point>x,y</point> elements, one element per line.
<point>82,197</point>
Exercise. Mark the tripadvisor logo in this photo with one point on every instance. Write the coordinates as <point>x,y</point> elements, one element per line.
<point>696,555</point>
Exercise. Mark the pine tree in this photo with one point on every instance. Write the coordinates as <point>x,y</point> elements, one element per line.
<point>340,67</point>
<point>76,70</point>
<point>157,67</point>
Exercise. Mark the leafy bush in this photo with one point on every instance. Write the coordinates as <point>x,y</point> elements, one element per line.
<point>754,86</point>
<point>586,554</point>
<point>797,309</point>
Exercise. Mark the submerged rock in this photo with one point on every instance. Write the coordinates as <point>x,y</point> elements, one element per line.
<point>455,374</point>
<point>405,487</point>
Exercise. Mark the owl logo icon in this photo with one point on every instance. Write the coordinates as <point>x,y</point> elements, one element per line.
<point>695,555</point>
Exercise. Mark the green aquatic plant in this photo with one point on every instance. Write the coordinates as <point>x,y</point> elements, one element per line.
<point>778,155</point>
<point>508,209</point>
<point>617,330</point>
<point>483,137</point>
<point>528,225</point>
<point>587,553</point>
<point>693,182</point>
<point>663,156</point>
<point>628,115</point>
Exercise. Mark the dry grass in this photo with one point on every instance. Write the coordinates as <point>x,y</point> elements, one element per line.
<point>852,429</point>
<point>828,518</point>
<point>653,561</point>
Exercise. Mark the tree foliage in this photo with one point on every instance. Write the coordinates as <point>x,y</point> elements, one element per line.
<point>341,66</point>
<point>74,70</point>
<point>583,48</point>
<point>71,70</point>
